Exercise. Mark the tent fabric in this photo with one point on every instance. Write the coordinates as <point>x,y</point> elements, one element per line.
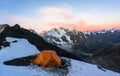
<point>48,58</point>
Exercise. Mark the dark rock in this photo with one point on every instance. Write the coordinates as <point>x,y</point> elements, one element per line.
<point>16,27</point>
<point>14,41</point>
<point>3,41</point>
<point>23,61</point>
<point>5,44</point>
<point>64,38</point>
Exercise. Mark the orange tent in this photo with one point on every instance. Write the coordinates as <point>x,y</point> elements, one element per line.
<point>48,58</point>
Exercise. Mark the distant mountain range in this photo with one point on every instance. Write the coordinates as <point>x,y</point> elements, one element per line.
<point>82,42</point>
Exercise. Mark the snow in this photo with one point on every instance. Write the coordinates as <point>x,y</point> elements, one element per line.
<point>61,31</point>
<point>24,48</point>
<point>100,31</point>
<point>18,49</point>
<point>79,68</point>
<point>58,33</point>
<point>110,29</point>
<point>87,32</point>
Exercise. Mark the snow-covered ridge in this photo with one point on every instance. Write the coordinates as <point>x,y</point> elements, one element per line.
<point>23,48</point>
<point>19,49</point>
<point>58,33</point>
<point>101,31</point>
<point>55,35</point>
<point>63,31</point>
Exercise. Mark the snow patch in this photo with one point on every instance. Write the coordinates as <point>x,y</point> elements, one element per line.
<point>79,68</point>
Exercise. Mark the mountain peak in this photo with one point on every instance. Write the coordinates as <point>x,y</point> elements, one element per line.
<point>82,41</point>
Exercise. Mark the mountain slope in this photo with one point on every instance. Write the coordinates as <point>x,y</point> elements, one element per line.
<point>108,58</point>
<point>18,49</point>
<point>82,42</point>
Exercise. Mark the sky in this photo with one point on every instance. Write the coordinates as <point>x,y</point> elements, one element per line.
<point>43,15</point>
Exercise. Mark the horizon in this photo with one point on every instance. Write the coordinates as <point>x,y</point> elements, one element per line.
<point>43,15</point>
<point>70,29</point>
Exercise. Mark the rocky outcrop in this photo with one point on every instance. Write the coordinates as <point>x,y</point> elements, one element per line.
<point>2,37</point>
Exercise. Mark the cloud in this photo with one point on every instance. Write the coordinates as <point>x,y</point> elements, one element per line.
<point>55,14</point>
<point>64,14</point>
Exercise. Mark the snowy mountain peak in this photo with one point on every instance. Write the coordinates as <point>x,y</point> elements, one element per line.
<point>58,31</point>
<point>110,30</point>
<point>82,41</point>
<point>107,30</point>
